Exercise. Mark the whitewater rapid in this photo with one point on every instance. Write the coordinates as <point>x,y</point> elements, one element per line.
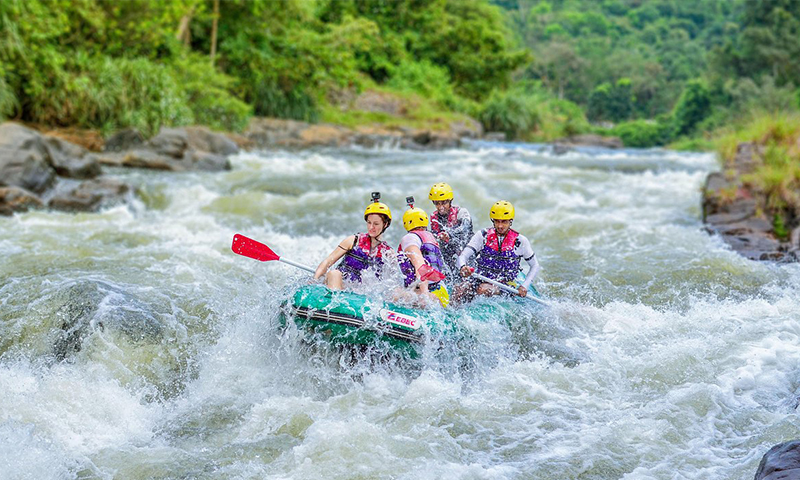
<point>664,356</point>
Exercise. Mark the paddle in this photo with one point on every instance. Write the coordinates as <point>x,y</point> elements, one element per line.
<point>507,288</point>
<point>257,250</point>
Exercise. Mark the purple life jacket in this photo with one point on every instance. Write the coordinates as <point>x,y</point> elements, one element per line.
<point>496,261</point>
<point>430,253</point>
<point>452,220</point>
<point>359,258</point>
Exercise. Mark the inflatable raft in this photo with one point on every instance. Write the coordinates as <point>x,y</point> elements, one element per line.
<point>350,318</point>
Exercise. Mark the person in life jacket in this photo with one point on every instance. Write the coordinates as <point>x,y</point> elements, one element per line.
<point>420,258</point>
<point>362,251</point>
<point>452,226</point>
<point>499,253</point>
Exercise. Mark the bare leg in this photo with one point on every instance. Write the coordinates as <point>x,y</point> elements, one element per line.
<point>487,290</point>
<point>333,279</point>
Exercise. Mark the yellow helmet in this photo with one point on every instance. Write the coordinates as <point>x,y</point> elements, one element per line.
<point>441,191</point>
<point>414,218</point>
<point>502,210</point>
<point>380,209</point>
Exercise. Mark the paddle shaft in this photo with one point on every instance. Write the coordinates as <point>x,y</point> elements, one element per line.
<point>506,288</point>
<point>298,265</point>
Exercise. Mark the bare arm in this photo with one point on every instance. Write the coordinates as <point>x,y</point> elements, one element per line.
<point>414,255</point>
<point>343,247</point>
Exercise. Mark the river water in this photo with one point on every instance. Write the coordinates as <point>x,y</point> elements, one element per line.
<point>134,344</point>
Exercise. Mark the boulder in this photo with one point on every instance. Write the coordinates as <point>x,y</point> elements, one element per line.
<point>380,102</point>
<point>70,160</point>
<point>24,159</point>
<point>591,140</point>
<point>87,306</point>
<point>173,149</point>
<point>170,142</point>
<point>16,199</point>
<point>467,128</point>
<point>494,136</point>
<point>90,195</point>
<point>781,462</point>
<point>203,139</point>
<point>124,140</point>
<point>274,132</point>
<point>740,214</point>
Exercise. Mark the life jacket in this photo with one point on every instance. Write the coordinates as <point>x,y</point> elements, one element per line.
<point>496,261</point>
<point>430,253</point>
<point>452,220</point>
<point>360,258</point>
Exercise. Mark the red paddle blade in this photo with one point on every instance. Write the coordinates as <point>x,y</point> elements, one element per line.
<point>430,274</point>
<point>250,248</point>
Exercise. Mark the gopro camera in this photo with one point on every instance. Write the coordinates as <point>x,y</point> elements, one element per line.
<point>376,196</point>
<point>410,200</point>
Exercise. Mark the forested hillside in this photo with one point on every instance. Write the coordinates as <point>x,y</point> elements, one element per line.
<point>652,72</point>
<point>670,68</point>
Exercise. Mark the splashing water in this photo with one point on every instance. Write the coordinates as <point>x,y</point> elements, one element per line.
<point>134,344</point>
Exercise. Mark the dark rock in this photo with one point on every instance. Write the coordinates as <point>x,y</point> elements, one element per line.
<point>494,137</point>
<point>781,462</point>
<point>171,142</point>
<point>468,128</point>
<point>560,149</point>
<point>71,160</point>
<point>88,306</point>
<point>380,102</point>
<point>124,140</point>
<point>24,159</point>
<point>211,162</point>
<point>591,140</point>
<point>203,139</point>
<point>16,199</point>
<point>90,195</point>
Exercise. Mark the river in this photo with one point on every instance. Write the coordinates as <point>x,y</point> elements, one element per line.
<point>134,344</point>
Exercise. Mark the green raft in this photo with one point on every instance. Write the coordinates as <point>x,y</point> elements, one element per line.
<point>350,318</point>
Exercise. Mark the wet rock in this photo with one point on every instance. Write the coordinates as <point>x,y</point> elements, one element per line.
<point>170,142</point>
<point>591,140</point>
<point>70,160</point>
<point>88,306</point>
<point>24,159</point>
<point>90,195</point>
<point>173,149</point>
<point>123,140</point>
<point>561,149</point>
<point>205,140</point>
<point>16,199</point>
<point>467,128</point>
<point>740,214</point>
<point>781,462</point>
<point>495,137</point>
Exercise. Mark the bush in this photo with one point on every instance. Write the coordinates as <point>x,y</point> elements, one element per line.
<point>8,100</point>
<point>642,133</point>
<point>693,107</point>
<point>424,78</point>
<point>209,96</point>
<point>512,112</point>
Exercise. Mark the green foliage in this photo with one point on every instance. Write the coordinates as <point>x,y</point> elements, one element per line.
<point>425,78</point>
<point>611,102</point>
<point>692,108</point>
<point>8,100</point>
<point>209,96</point>
<point>642,133</point>
<point>512,112</point>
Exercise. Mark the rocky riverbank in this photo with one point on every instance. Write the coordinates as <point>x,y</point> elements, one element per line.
<point>62,169</point>
<point>737,210</point>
